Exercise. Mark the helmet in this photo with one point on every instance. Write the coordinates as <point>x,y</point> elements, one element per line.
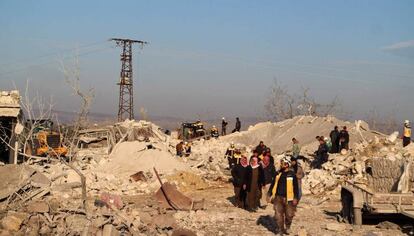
<point>214,126</point>
<point>223,118</point>
<point>406,122</point>
<point>286,160</point>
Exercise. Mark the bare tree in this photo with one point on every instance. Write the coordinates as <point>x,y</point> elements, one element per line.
<point>281,104</point>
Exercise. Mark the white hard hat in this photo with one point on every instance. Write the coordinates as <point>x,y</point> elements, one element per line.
<point>223,118</point>
<point>406,122</point>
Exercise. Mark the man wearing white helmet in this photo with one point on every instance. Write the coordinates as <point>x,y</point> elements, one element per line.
<point>223,126</point>
<point>407,133</point>
<point>284,193</point>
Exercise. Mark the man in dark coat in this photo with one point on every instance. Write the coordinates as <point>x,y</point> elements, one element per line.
<point>321,154</point>
<point>261,148</point>
<point>284,193</point>
<point>334,135</point>
<point>238,125</point>
<point>269,171</point>
<point>343,139</point>
<point>253,184</point>
<point>223,126</point>
<point>238,172</point>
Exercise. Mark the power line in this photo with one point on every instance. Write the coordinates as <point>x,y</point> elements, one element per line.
<point>51,62</point>
<point>52,53</point>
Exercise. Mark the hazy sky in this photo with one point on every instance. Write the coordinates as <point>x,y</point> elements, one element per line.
<point>214,58</point>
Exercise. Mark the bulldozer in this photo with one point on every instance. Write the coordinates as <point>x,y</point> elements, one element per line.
<point>192,130</point>
<point>45,141</point>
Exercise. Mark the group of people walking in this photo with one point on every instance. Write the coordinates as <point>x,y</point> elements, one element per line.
<point>257,182</point>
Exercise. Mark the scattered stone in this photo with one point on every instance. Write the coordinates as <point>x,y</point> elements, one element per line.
<point>112,200</point>
<point>139,176</point>
<point>38,207</point>
<point>388,225</point>
<point>302,232</point>
<point>13,221</point>
<point>335,227</point>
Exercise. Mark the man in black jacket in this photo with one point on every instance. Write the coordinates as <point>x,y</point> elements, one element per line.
<point>239,176</point>
<point>321,154</point>
<point>261,148</point>
<point>223,126</point>
<point>284,194</point>
<point>334,135</point>
<point>238,125</point>
<point>343,139</point>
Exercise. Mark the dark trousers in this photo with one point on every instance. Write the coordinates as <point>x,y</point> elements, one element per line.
<point>239,197</point>
<point>406,141</point>
<point>284,213</point>
<point>223,131</point>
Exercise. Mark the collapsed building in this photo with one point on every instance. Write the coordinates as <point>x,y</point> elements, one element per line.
<point>10,125</point>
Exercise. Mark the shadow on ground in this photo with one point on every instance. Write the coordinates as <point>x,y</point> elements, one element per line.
<point>268,222</point>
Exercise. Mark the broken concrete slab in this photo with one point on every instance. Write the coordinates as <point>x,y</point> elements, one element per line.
<point>38,207</point>
<point>335,227</point>
<point>13,221</point>
<point>12,177</point>
<point>110,230</point>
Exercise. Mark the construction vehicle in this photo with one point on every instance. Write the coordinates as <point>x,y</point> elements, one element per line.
<point>45,141</point>
<point>190,131</point>
<point>375,198</point>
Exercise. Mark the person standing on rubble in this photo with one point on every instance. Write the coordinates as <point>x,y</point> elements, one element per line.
<point>261,148</point>
<point>223,126</point>
<point>283,193</point>
<point>238,172</point>
<point>334,135</point>
<point>180,148</point>
<point>343,139</point>
<point>298,170</point>
<point>269,171</point>
<point>230,155</point>
<point>254,182</point>
<point>295,148</point>
<point>407,133</point>
<point>321,154</point>
<point>238,125</point>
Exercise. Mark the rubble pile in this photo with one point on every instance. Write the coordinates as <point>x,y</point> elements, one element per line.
<point>278,135</point>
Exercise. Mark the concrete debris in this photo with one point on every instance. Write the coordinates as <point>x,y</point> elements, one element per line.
<point>124,196</point>
<point>38,207</point>
<point>335,227</point>
<point>387,225</point>
<point>13,221</point>
<point>139,176</point>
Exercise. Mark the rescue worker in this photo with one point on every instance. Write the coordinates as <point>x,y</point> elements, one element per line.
<point>187,148</point>
<point>283,193</point>
<point>328,143</point>
<point>237,157</point>
<point>199,128</point>
<point>238,125</point>
<point>238,172</point>
<point>343,139</point>
<point>180,148</point>
<point>407,133</point>
<point>254,182</point>
<point>230,155</point>
<point>260,148</point>
<point>295,148</point>
<point>321,154</point>
<point>298,170</point>
<point>223,126</point>
<point>214,132</point>
<point>334,135</point>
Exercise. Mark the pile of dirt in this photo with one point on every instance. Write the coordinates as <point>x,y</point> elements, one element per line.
<point>131,157</point>
<point>278,136</point>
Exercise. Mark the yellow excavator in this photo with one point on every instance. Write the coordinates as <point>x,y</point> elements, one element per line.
<point>44,141</point>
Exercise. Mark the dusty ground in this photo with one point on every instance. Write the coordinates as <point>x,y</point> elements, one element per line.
<point>221,218</point>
